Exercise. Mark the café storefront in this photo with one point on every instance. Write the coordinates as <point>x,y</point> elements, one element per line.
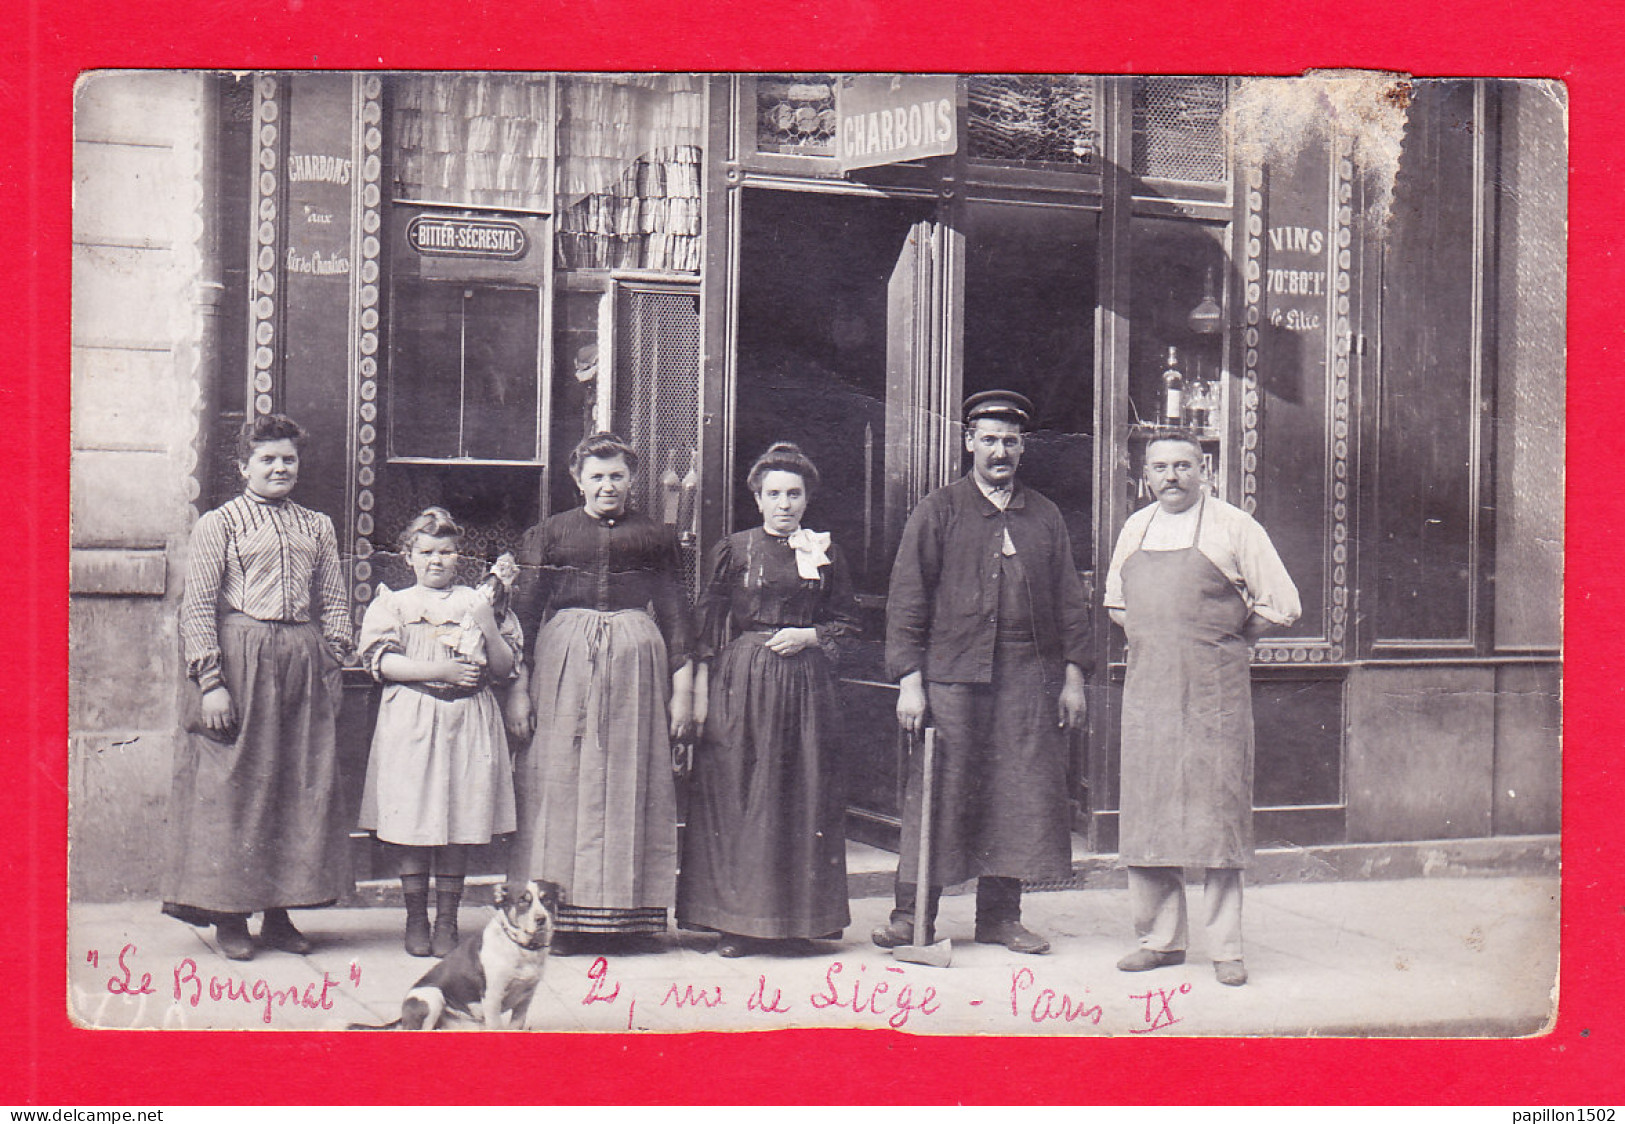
<point>451,278</point>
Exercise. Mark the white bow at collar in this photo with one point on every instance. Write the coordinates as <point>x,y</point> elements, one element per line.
<point>812,551</point>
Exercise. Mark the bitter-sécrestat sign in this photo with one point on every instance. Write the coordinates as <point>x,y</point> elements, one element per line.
<point>888,118</point>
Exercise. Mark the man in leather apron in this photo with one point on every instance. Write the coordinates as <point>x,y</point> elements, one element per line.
<point>1193,582</point>
<point>988,636</point>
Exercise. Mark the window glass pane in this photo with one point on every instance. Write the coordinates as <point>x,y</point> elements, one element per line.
<point>1033,119</point>
<point>464,371</point>
<point>500,373</point>
<point>629,172</point>
<point>472,139</point>
<point>425,369</point>
<point>1178,322</point>
<point>795,114</point>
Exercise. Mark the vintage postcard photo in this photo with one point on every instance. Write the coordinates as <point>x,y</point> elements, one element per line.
<point>963,554</point>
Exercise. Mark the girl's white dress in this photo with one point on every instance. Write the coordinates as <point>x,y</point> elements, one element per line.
<point>439,771</point>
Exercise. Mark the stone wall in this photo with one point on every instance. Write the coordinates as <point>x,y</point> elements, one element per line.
<point>145,298</point>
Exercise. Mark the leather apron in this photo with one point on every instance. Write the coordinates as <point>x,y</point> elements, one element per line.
<point>1187,749</point>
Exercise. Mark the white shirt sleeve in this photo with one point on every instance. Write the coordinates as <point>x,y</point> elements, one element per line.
<point>1242,550</point>
<point>1128,539</point>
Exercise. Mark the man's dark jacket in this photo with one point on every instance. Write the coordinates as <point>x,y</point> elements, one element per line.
<point>942,609</point>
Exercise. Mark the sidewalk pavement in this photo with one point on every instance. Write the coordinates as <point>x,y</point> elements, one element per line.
<point>1418,956</point>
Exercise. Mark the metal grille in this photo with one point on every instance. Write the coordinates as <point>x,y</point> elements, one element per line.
<point>795,114</point>
<point>1179,128</point>
<point>657,393</point>
<point>1033,119</point>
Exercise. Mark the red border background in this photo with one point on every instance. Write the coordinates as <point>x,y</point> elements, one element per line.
<point>48,1062</point>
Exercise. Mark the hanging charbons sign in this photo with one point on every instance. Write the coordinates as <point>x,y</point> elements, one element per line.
<point>467,238</point>
<point>888,118</point>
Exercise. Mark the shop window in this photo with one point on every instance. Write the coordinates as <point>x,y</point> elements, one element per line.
<point>1177,347</point>
<point>477,140</point>
<point>1179,129</point>
<point>1042,119</point>
<point>1430,403</point>
<point>630,152</point>
<point>465,371</point>
<point>795,114</point>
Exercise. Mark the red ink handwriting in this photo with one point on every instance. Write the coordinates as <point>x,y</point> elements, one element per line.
<point>870,996</point>
<point>93,958</point>
<point>355,973</point>
<point>1048,1005</point>
<point>1164,1017</point>
<point>124,986</point>
<point>232,990</point>
<point>598,973</point>
<point>690,996</point>
<point>760,1002</point>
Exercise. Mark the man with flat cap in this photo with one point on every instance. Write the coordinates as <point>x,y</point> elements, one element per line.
<point>988,636</point>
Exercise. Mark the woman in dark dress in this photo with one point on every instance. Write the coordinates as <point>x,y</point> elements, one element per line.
<point>606,690</point>
<point>764,853</point>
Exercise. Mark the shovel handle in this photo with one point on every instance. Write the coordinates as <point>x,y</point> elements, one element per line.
<point>924,923</point>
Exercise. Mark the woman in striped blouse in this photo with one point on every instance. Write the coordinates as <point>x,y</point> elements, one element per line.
<point>265,623</point>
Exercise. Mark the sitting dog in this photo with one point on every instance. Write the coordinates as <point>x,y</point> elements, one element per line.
<point>491,976</point>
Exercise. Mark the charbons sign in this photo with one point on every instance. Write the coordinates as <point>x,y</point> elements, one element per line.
<point>888,118</point>
<point>467,238</point>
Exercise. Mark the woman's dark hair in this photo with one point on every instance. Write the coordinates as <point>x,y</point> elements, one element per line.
<point>436,522</point>
<point>781,456</point>
<point>604,446</point>
<point>265,429</point>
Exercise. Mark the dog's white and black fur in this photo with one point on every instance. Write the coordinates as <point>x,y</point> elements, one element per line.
<point>491,976</point>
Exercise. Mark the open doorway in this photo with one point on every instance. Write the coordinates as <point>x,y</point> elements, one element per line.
<point>1030,295</point>
<point>835,351</point>
<point>826,301</point>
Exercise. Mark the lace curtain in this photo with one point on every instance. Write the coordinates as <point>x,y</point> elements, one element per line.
<point>477,140</point>
<point>629,172</point>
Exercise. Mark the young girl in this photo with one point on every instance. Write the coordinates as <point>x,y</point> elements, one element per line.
<point>265,620</point>
<point>438,778</point>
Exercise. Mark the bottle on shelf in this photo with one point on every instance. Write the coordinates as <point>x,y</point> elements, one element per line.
<point>670,490</point>
<point>688,509</point>
<point>1199,407</point>
<point>1173,391</point>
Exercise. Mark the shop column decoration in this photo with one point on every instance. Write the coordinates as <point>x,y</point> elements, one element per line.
<point>267,149</point>
<point>1342,384</point>
<point>1252,275</point>
<point>365,359</point>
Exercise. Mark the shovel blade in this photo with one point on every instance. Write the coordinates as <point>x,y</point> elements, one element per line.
<point>939,955</point>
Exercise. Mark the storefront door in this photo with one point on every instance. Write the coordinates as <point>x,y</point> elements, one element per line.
<point>839,351</point>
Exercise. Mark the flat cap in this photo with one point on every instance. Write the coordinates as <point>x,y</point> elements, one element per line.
<point>1004,404</point>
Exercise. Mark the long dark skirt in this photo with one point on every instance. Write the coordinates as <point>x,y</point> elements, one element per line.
<point>597,806</point>
<point>254,821</point>
<point>764,853</point>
